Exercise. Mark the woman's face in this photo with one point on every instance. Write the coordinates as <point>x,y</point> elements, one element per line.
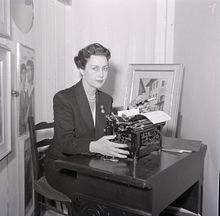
<point>29,77</point>
<point>23,75</point>
<point>96,71</point>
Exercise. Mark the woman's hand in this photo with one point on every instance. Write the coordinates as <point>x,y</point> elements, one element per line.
<point>141,103</point>
<point>105,147</point>
<point>136,102</point>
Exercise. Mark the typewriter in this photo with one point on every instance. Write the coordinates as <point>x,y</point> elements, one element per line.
<point>138,132</point>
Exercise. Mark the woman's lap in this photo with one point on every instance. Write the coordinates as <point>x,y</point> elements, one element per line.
<point>62,180</point>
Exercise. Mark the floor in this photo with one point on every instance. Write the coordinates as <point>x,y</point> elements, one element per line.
<point>170,212</point>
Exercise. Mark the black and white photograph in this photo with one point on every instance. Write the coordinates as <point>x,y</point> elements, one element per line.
<point>25,74</point>
<point>120,102</point>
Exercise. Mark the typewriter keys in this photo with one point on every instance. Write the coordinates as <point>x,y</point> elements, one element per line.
<point>109,158</point>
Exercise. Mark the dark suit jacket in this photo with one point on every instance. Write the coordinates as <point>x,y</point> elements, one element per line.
<point>74,126</point>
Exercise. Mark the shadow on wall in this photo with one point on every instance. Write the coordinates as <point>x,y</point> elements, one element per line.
<point>109,86</point>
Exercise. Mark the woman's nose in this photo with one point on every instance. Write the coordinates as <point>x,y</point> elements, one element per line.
<point>101,72</point>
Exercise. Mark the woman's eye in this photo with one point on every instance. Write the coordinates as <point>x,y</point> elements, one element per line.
<point>105,69</point>
<point>95,68</point>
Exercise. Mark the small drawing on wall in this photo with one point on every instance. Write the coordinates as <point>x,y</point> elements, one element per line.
<point>26,86</point>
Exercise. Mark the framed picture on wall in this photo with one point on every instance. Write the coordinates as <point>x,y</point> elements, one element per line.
<point>25,83</point>
<point>26,178</point>
<point>22,12</point>
<point>5,101</point>
<point>160,85</point>
<point>5,18</point>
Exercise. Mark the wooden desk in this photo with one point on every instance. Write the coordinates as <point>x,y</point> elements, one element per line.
<point>145,187</point>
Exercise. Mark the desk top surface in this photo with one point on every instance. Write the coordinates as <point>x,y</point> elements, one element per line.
<point>137,173</point>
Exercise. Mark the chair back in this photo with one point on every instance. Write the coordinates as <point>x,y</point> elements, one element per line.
<point>37,155</point>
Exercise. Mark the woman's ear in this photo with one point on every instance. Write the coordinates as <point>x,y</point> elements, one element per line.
<point>82,72</point>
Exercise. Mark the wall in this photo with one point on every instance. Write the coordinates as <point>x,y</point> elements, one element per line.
<point>197,46</point>
<point>9,171</point>
<point>142,32</point>
<point>135,32</point>
<point>47,39</point>
<point>83,25</point>
<point>50,55</point>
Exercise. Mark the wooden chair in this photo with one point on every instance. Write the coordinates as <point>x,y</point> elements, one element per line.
<point>46,197</point>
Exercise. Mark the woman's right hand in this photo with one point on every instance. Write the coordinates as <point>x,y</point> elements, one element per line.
<point>105,147</point>
<point>136,102</point>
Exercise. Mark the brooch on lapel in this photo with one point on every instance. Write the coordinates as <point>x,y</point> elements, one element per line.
<point>102,109</point>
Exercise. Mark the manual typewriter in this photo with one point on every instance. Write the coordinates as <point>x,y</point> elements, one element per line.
<point>138,132</point>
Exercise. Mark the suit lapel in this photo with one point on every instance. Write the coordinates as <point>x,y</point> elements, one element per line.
<point>100,116</point>
<point>84,107</point>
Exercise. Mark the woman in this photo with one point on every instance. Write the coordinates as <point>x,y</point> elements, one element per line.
<point>79,116</point>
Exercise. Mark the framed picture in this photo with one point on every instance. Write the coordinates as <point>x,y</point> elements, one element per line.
<point>22,12</point>
<point>26,178</point>
<point>5,101</point>
<point>5,18</point>
<point>25,83</point>
<point>161,85</point>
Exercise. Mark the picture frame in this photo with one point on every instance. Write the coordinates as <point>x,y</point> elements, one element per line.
<point>161,84</point>
<point>5,101</point>
<point>5,18</point>
<point>22,12</point>
<point>25,85</point>
<point>26,204</point>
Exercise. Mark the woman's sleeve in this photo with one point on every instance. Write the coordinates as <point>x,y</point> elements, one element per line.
<point>64,129</point>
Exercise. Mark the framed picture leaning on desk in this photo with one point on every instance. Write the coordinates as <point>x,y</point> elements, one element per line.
<point>161,85</point>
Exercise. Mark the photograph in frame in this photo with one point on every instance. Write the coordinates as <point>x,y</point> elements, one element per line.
<point>161,85</point>
<point>5,18</point>
<point>25,83</point>
<point>5,101</point>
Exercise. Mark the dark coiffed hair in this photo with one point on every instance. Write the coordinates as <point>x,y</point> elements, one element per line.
<point>23,68</point>
<point>31,64</point>
<point>92,49</point>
